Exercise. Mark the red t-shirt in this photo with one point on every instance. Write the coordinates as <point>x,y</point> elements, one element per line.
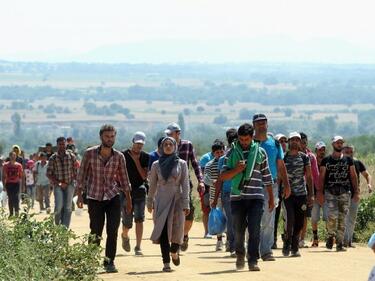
<point>12,172</point>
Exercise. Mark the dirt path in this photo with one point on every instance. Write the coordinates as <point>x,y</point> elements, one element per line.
<point>201,262</point>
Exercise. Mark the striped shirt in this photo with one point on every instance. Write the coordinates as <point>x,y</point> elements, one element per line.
<point>186,152</point>
<point>211,174</point>
<point>62,167</point>
<point>103,178</point>
<point>261,177</point>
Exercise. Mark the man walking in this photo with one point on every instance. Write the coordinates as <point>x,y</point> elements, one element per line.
<point>351,217</point>
<point>275,156</point>
<point>186,152</point>
<point>62,172</point>
<point>136,166</point>
<point>103,173</point>
<point>246,164</point>
<point>42,183</point>
<point>337,176</point>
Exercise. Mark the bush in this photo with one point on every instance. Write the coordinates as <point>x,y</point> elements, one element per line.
<point>32,250</point>
<point>365,218</point>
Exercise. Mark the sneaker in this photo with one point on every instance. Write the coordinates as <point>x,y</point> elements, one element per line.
<point>286,250</point>
<point>185,244</point>
<point>315,243</point>
<point>268,257</point>
<point>207,236</point>
<point>219,245</point>
<point>167,268</point>
<point>302,244</point>
<point>340,248</point>
<point>274,246</point>
<point>295,254</point>
<point>254,267</point>
<point>138,251</point>
<point>351,245</point>
<point>233,254</point>
<point>240,262</point>
<point>125,243</point>
<point>329,243</point>
<point>110,268</point>
<point>227,247</point>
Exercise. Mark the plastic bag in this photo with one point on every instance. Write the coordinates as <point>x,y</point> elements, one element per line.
<point>216,221</point>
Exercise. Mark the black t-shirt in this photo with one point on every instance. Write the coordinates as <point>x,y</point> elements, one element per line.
<point>136,181</point>
<point>337,179</point>
<point>359,168</point>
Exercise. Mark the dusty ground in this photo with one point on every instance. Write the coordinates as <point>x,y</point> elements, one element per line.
<point>201,262</point>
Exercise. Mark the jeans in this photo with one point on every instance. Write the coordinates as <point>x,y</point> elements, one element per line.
<point>315,213</point>
<point>165,246</point>
<point>247,213</point>
<point>138,212</point>
<point>296,211</point>
<point>30,190</point>
<point>43,192</point>
<point>225,201</point>
<point>13,191</point>
<point>350,220</point>
<point>63,204</point>
<point>99,211</point>
<point>268,223</point>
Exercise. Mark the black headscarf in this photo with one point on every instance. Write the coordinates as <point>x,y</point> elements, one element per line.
<point>167,162</point>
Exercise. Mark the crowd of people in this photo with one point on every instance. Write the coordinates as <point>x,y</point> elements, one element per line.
<point>257,179</point>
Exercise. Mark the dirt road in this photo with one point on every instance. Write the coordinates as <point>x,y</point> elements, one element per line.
<point>201,262</point>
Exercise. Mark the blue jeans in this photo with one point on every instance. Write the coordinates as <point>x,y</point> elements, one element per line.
<point>247,213</point>
<point>350,220</point>
<point>30,190</point>
<point>63,204</point>
<point>225,201</point>
<point>268,223</point>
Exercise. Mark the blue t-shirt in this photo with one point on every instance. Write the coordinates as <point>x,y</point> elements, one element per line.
<point>205,159</point>
<point>154,156</point>
<point>227,185</point>
<point>274,152</point>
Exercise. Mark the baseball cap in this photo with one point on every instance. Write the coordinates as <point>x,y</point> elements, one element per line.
<point>320,145</point>
<point>371,242</point>
<point>259,117</point>
<point>337,138</point>
<point>139,137</point>
<point>280,136</point>
<point>172,127</point>
<point>294,135</point>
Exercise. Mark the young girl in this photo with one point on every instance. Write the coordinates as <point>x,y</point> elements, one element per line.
<point>168,197</point>
<point>29,179</point>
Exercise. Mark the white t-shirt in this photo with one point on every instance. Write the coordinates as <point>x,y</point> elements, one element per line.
<point>29,177</point>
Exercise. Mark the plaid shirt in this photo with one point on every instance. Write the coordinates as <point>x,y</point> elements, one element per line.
<point>103,180</point>
<point>186,152</point>
<point>62,168</point>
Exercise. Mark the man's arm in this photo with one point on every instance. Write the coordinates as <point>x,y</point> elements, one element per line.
<point>309,183</point>
<point>195,164</point>
<point>284,177</point>
<point>354,181</point>
<point>125,183</point>
<point>320,188</point>
<point>51,172</point>
<point>368,178</point>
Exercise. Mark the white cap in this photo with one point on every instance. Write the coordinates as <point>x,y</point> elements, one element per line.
<point>320,144</point>
<point>337,138</point>
<point>139,137</point>
<point>280,136</point>
<point>294,135</point>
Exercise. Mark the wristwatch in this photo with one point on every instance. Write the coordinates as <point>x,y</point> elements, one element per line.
<point>60,184</point>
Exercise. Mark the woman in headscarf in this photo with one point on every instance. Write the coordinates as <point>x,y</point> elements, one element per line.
<point>168,197</point>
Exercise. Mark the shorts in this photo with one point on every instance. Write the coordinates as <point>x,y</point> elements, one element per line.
<point>190,216</point>
<point>315,213</point>
<point>205,200</point>
<point>308,212</point>
<point>137,214</point>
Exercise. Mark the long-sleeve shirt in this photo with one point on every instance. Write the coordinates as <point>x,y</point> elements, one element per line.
<point>62,168</point>
<point>103,178</point>
<point>186,152</point>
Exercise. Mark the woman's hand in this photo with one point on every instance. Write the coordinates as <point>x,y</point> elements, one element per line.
<point>186,212</point>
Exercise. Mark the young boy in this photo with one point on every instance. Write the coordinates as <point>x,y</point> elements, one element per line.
<point>211,174</point>
<point>29,179</point>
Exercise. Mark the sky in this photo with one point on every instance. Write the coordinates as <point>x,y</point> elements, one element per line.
<point>50,30</point>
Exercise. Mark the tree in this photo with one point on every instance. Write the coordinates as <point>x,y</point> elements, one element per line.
<point>181,122</point>
<point>220,120</point>
<point>16,120</point>
<point>245,114</point>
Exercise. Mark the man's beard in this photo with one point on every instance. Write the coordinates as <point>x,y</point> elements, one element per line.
<point>337,149</point>
<point>108,144</point>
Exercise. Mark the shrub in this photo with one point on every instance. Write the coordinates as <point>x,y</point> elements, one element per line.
<point>32,250</point>
<point>365,218</point>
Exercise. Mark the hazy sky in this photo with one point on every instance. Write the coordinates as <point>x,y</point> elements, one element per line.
<point>29,29</point>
